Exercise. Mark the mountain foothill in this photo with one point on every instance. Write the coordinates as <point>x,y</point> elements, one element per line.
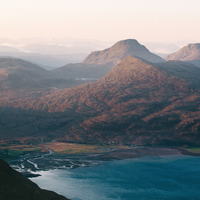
<point>141,99</point>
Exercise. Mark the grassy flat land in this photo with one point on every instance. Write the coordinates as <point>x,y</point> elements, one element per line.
<point>71,148</point>
<point>194,149</point>
<point>14,151</point>
<point>10,152</point>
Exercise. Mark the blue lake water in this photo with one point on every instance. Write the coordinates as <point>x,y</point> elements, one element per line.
<point>154,178</point>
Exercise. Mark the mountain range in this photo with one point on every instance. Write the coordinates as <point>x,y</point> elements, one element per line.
<point>137,102</point>
<point>138,99</point>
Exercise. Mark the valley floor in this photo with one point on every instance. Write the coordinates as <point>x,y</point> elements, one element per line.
<point>31,159</point>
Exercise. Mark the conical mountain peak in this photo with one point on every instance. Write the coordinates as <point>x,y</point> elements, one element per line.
<point>128,42</point>
<point>119,51</point>
<point>129,69</point>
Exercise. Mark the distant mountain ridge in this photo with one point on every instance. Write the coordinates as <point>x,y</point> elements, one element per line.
<point>98,63</point>
<point>119,51</point>
<point>19,78</point>
<point>49,53</point>
<point>46,61</point>
<point>189,53</point>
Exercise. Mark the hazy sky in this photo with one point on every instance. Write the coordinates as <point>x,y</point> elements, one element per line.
<point>109,20</point>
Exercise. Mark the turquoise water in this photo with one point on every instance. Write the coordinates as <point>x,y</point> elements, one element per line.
<point>154,178</point>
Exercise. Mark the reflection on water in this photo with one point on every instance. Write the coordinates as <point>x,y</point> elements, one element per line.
<point>155,178</point>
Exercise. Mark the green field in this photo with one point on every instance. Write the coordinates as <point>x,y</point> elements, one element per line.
<point>12,152</point>
<point>194,149</point>
<point>17,151</point>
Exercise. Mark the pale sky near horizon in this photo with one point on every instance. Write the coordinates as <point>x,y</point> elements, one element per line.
<point>106,20</point>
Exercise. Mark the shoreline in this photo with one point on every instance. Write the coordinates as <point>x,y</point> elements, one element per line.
<point>31,167</point>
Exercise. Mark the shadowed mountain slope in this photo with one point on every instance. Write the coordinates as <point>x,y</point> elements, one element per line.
<point>189,53</point>
<point>182,70</point>
<point>98,63</point>
<point>137,102</point>
<point>14,185</point>
<point>81,70</point>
